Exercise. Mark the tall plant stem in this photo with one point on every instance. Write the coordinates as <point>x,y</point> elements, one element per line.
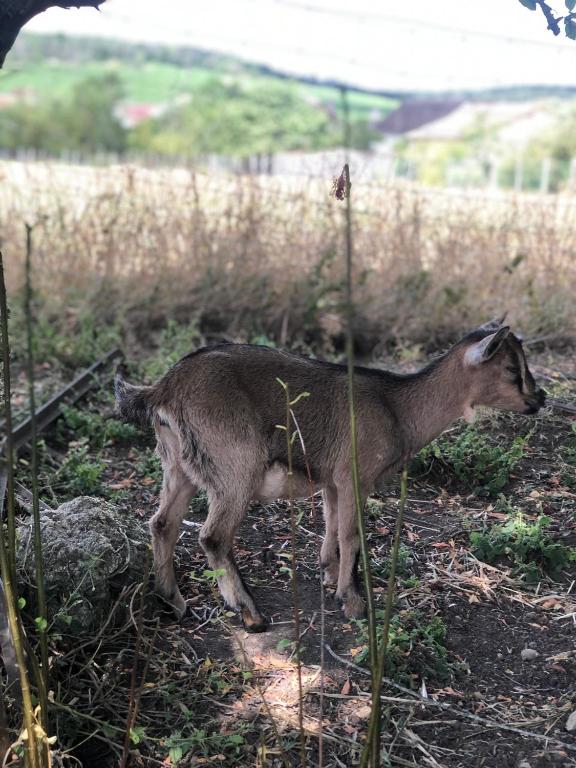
<point>294,577</point>
<point>8,447</point>
<point>135,691</point>
<point>7,548</point>
<point>373,648</point>
<point>40,588</point>
<point>373,726</point>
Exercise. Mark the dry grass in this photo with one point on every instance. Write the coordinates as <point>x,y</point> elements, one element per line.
<point>260,255</point>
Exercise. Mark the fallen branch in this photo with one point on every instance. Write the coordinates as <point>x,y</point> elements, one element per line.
<point>563,406</point>
<point>454,710</point>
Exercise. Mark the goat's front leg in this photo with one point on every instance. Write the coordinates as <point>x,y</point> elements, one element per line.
<point>349,542</point>
<point>177,491</point>
<point>217,540</point>
<point>329,551</point>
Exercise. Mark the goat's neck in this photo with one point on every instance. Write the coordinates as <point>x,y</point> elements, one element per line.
<point>429,401</point>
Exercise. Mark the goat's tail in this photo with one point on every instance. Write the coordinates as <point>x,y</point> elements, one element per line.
<point>133,403</point>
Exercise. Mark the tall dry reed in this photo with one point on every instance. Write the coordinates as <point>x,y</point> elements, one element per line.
<point>259,255</point>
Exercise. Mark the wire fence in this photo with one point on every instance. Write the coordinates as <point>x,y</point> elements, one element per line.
<point>380,167</point>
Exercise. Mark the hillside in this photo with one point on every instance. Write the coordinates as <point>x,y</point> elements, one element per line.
<point>49,66</point>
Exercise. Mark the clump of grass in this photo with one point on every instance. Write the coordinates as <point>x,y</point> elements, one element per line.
<point>80,473</point>
<point>149,465</point>
<point>569,454</point>
<point>474,459</point>
<point>527,546</point>
<point>405,561</point>
<point>174,341</point>
<point>97,430</point>
<point>73,340</point>
<point>201,742</point>
<point>416,647</point>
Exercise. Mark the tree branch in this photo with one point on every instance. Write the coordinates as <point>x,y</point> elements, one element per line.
<point>15,13</point>
<point>553,25</point>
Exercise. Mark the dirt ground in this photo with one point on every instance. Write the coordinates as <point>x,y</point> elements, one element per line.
<point>212,694</point>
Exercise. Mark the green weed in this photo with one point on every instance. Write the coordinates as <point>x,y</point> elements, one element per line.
<point>80,473</point>
<point>528,546</point>
<point>149,465</point>
<point>382,567</point>
<point>175,341</point>
<point>94,428</point>
<point>416,646</point>
<point>474,459</point>
<point>75,344</point>
<point>569,454</point>
<point>200,742</point>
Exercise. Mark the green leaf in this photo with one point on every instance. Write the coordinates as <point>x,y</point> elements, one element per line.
<point>213,575</point>
<point>175,754</point>
<point>21,602</point>
<point>41,624</point>
<point>531,4</point>
<point>570,26</point>
<point>570,4</point>
<point>137,734</point>
<point>307,394</point>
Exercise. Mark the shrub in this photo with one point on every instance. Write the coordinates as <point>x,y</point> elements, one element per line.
<point>528,546</point>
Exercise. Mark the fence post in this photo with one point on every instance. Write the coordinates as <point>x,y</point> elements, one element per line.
<point>545,176</point>
<point>519,173</point>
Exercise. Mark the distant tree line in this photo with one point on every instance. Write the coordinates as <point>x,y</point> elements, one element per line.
<point>217,117</point>
<point>38,48</point>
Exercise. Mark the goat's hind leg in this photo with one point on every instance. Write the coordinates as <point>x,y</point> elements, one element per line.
<point>217,540</point>
<point>177,491</point>
<point>349,542</point>
<point>329,558</point>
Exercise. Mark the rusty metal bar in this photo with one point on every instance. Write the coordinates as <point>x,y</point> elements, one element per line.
<point>50,411</point>
<point>564,406</point>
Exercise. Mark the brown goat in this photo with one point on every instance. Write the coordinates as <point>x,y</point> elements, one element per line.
<point>216,413</point>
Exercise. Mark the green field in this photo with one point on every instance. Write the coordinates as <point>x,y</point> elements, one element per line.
<point>155,81</point>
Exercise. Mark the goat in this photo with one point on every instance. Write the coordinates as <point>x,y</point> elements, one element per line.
<point>216,411</point>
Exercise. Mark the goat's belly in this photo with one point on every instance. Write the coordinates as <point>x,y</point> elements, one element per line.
<point>276,485</point>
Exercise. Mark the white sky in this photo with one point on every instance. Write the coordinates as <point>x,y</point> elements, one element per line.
<point>381,44</point>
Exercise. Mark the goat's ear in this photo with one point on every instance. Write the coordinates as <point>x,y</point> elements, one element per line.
<point>485,349</point>
<point>494,324</point>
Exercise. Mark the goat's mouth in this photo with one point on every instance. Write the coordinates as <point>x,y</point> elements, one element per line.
<point>535,402</point>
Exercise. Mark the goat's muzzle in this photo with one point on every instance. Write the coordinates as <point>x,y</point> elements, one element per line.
<point>535,402</point>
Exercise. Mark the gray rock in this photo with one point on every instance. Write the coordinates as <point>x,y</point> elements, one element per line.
<point>529,654</point>
<point>571,722</point>
<point>90,550</point>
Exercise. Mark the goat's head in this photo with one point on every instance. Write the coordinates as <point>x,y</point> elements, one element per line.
<point>498,374</point>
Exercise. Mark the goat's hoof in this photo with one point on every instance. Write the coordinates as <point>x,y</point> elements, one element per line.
<point>177,603</point>
<point>252,624</point>
<point>330,576</point>
<point>354,607</point>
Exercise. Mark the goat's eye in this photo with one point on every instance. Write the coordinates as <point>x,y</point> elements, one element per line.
<point>512,370</point>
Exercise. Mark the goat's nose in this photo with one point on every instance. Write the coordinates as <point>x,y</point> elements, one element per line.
<point>536,401</point>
